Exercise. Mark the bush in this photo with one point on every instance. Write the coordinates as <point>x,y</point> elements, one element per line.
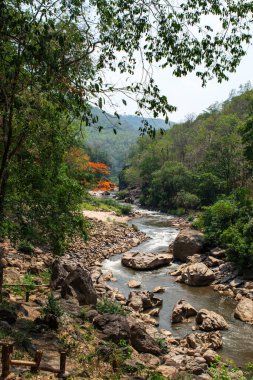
<point>25,247</point>
<point>229,224</point>
<point>52,307</point>
<point>108,306</point>
<point>186,200</point>
<point>122,194</point>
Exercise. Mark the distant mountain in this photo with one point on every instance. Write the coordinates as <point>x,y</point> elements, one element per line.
<point>112,148</point>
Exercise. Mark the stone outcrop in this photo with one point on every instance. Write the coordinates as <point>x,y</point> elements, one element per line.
<point>244,310</point>
<point>78,284</point>
<point>210,321</point>
<point>210,340</point>
<point>113,327</point>
<point>187,243</point>
<point>58,274</point>
<point>145,261</point>
<point>142,341</point>
<point>182,311</point>
<point>141,301</point>
<point>197,275</point>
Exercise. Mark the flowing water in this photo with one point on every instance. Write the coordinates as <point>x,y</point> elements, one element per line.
<point>237,340</point>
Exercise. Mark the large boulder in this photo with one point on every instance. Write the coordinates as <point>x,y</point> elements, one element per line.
<point>244,310</point>
<point>187,243</point>
<point>197,275</point>
<point>210,321</point>
<point>113,327</point>
<point>78,284</point>
<point>212,340</point>
<point>142,341</point>
<point>145,261</point>
<point>141,301</point>
<point>59,273</point>
<point>9,316</point>
<point>182,311</point>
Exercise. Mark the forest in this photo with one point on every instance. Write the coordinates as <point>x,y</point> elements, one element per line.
<point>203,164</point>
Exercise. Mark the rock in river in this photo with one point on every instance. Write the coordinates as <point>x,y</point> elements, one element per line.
<point>143,300</point>
<point>187,243</point>
<point>145,261</point>
<point>210,321</point>
<point>182,311</point>
<point>197,275</point>
<point>134,284</point>
<point>244,310</point>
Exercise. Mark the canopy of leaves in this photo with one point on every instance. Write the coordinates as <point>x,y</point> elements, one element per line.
<point>193,163</point>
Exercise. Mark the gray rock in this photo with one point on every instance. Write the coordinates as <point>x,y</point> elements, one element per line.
<point>244,310</point>
<point>141,301</point>
<point>142,341</point>
<point>212,340</point>
<point>210,321</point>
<point>113,327</point>
<point>78,284</point>
<point>59,273</point>
<point>182,311</point>
<point>197,275</point>
<point>187,243</point>
<point>145,261</point>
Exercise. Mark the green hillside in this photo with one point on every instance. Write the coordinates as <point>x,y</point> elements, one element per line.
<point>112,148</point>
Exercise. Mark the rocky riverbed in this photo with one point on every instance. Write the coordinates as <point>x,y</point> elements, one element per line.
<point>82,278</point>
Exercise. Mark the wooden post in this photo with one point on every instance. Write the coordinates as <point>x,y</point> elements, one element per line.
<point>5,360</point>
<point>27,295</point>
<point>37,360</point>
<point>63,356</point>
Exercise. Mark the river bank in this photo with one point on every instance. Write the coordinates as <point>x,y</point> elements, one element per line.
<point>168,351</point>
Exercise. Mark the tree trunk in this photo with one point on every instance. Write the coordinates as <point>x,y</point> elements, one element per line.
<point>1,272</point>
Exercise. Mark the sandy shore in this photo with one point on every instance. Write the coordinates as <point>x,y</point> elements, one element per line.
<point>106,216</point>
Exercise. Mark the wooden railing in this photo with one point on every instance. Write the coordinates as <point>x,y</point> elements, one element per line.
<point>35,365</point>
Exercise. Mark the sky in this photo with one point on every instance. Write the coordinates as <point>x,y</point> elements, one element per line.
<point>189,96</point>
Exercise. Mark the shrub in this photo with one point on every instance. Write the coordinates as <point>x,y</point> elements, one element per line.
<point>108,306</point>
<point>25,247</point>
<point>155,376</point>
<point>125,209</point>
<point>122,194</point>
<point>186,200</point>
<point>229,223</point>
<point>52,307</point>
<point>28,280</point>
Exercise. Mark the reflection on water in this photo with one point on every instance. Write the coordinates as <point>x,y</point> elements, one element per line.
<point>238,340</point>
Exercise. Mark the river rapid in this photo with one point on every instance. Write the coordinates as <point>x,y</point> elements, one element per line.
<point>237,340</point>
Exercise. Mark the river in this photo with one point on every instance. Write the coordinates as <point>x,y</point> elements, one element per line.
<point>237,340</point>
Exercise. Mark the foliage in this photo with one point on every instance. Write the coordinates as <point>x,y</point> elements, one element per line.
<point>106,305</point>
<point>227,370</point>
<point>25,247</point>
<point>29,282</point>
<point>90,174</point>
<point>43,197</point>
<point>52,307</point>
<point>192,164</point>
<point>155,376</point>
<point>100,204</point>
<point>229,223</point>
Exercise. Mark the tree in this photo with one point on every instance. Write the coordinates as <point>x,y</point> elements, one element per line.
<point>59,52</point>
<point>60,48</point>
